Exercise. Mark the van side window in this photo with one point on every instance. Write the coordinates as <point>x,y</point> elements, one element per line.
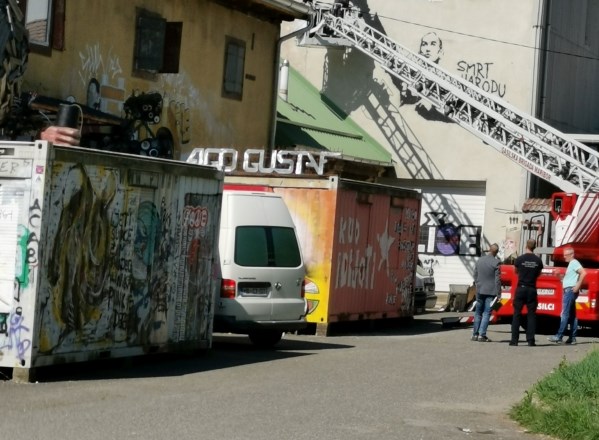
<point>266,246</point>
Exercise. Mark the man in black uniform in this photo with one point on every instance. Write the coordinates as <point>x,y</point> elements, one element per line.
<point>528,268</point>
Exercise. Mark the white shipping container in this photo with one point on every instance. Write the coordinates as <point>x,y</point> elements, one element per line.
<point>103,255</point>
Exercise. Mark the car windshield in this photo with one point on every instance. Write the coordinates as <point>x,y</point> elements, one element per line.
<point>266,246</point>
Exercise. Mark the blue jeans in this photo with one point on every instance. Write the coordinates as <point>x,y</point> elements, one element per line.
<point>482,314</point>
<point>568,315</point>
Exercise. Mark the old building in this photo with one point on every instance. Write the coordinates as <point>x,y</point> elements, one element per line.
<point>188,73</point>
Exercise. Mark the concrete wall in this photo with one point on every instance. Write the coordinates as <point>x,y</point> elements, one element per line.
<point>482,42</point>
<point>99,44</point>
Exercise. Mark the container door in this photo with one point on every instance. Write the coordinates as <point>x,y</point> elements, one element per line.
<point>19,232</point>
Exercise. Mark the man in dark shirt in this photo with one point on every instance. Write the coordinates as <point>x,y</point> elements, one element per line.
<point>528,268</point>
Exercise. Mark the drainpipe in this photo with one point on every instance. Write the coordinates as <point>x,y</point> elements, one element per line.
<point>275,95</point>
<point>284,81</point>
<point>545,14</point>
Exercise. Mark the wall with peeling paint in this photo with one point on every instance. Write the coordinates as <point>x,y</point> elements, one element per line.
<point>96,69</point>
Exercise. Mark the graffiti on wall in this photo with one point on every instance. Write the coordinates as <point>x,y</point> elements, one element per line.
<point>431,48</point>
<point>440,236</point>
<point>101,75</point>
<point>178,93</point>
<point>479,74</point>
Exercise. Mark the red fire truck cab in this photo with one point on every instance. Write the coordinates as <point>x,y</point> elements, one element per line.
<point>575,223</point>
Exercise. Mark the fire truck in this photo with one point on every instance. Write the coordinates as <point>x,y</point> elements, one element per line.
<point>571,166</point>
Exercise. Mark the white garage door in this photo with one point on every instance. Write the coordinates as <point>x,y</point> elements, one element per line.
<point>451,230</point>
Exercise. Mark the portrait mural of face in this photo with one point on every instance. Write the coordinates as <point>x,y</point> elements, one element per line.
<point>431,47</point>
<point>93,94</point>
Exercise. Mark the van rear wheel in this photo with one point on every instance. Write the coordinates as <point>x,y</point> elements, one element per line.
<point>265,338</point>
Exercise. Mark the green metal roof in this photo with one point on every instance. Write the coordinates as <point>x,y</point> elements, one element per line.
<point>309,119</point>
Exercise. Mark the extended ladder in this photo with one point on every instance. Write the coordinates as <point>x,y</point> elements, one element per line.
<point>534,145</point>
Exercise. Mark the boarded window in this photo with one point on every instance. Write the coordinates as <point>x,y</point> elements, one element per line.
<point>234,68</point>
<point>157,44</point>
<point>149,42</point>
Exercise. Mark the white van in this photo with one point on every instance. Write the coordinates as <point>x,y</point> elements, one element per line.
<point>262,269</point>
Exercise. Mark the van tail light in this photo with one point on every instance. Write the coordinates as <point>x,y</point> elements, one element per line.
<point>303,290</point>
<point>227,289</point>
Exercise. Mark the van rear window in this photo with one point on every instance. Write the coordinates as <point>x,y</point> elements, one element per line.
<point>266,246</point>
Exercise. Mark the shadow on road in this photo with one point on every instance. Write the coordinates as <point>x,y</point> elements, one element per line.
<point>227,351</point>
<point>429,322</point>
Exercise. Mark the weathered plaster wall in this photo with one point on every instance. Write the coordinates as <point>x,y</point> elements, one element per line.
<point>99,44</point>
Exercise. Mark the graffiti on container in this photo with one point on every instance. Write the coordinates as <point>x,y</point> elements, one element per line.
<point>3,323</point>
<point>22,261</point>
<point>385,243</point>
<point>439,237</point>
<point>478,74</point>
<point>35,215</point>
<point>101,267</point>
<point>197,268</point>
<point>17,334</point>
<point>150,289</point>
<point>79,260</point>
<point>355,268</point>
<point>27,248</point>
<point>12,323</point>
<point>406,230</point>
<point>10,167</point>
<point>357,261</point>
<point>403,289</point>
<point>122,273</point>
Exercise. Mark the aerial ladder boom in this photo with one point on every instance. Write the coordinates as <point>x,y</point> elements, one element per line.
<point>539,148</point>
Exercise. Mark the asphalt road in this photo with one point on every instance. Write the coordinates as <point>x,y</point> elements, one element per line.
<point>417,382</point>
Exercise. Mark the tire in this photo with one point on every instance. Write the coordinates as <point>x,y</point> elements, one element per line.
<point>265,338</point>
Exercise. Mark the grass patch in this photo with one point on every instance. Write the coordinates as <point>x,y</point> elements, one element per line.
<point>565,404</point>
